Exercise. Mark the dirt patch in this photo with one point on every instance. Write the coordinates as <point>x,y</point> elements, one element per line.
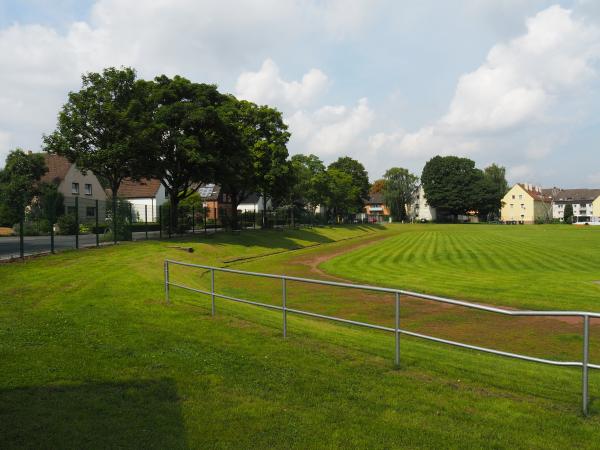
<point>313,261</point>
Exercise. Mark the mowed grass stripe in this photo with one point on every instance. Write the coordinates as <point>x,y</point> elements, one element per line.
<point>553,267</point>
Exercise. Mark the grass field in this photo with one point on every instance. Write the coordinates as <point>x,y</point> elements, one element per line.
<point>92,357</point>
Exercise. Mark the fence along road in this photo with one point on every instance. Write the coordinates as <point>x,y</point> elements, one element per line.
<point>584,363</point>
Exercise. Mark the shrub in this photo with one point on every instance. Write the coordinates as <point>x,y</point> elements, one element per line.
<point>67,224</point>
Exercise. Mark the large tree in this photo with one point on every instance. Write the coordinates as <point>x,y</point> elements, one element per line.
<point>188,133</point>
<point>265,136</point>
<point>342,192</point>
<point>106,127</point>
<point>490,191</point>
<point>19,184</point>
<point>451,184</point>
<point>360,182</point>
<point>310,185</point>
<point>398,191</point>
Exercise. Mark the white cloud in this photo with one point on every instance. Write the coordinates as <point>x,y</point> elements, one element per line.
<point>201,39</point>
<point>267,87</point>
<point>515,89</point>
<point>331,130</point>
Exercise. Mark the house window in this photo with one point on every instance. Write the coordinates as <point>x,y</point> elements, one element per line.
<point>90,211</point>
<point>75,188</point>
<point>520,196</point>
<point>522,205</point>
<point>511,206</point>
<point>513,197</point>
<point>88,189</point>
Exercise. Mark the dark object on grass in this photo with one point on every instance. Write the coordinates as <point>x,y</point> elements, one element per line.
<point>185,249</point>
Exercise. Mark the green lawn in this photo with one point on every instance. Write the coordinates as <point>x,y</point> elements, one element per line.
<point>552,267</point>
<point>93,358</point>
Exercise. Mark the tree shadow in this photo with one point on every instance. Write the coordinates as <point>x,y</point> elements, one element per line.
<point>132,414</point>
<point>273,238</point>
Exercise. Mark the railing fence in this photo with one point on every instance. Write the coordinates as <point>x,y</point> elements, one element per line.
<point>584,363</point>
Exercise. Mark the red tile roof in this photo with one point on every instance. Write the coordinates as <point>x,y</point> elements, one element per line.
<point>536,194</point>
<point>145,188</point>
<point>58,166</point>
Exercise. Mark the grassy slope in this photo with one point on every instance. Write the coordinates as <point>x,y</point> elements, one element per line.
<point>92,357</point>
<point>552,267</point>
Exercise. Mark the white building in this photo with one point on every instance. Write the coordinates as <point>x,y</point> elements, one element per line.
<point>145,196</point>
<point>253,203</point>
<point>585,202</point>
<point>421,209</point>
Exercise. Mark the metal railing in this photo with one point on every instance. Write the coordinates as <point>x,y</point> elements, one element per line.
<point>584,363</point>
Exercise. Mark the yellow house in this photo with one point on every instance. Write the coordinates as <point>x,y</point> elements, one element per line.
<point>525,203</point>
<point>596,207</point>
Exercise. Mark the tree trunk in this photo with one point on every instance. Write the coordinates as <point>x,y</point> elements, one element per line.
<point>173,210</point>
<point>234,213</point>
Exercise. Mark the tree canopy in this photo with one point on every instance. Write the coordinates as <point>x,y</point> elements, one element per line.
<point>399,189</point>
<point>105,127</point>
<point>19,183</point>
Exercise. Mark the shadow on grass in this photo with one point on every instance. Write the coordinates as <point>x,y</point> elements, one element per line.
<point>136,414</point>
<point>274,238</point>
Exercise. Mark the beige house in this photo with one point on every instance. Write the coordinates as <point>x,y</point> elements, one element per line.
<point>72,183</point>
<point>525,203</point>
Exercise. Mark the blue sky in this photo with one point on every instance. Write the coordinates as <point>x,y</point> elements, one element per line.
<point>390,83</point>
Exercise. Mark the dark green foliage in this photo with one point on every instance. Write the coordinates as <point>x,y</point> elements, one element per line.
<point>451,184</point>
<point>19,184</point>
<point>456,186</point>
<point>67,224</point>
<point>360,178</point>
<point>399,188</point>
<point>342,194</point>
<point>310,187</point>
<point>188,133</point>
<point>568,213</point>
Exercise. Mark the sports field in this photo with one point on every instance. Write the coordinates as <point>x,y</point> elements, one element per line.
<point>92,357</point>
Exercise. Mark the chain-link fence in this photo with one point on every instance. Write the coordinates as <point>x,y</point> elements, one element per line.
<point>58,223</point>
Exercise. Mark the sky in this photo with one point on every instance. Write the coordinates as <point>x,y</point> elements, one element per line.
<point>390,83</point>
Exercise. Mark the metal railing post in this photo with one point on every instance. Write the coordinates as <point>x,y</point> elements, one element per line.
<point>212,290</point>
<point>397,331</point>
<point>167,282</point>
<point>585,362</point>
<point>22,235</point>
<point>284,298</point>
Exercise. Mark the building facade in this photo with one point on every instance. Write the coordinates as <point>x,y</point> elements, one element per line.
<point>526,204</point>
<point>146,197</point>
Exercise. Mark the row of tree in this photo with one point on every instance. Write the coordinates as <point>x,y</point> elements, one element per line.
<point>452,185</point>
<point>184,133</point>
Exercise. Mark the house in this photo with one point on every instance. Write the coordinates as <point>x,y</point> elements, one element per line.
<point>421,210</point>
<point>585,202</point>
<point>253,203</point>
<point>375,209</point>
<point>214,200</point>
<point>146,196</point>
<point>525,204</point>
<point>72,184</point>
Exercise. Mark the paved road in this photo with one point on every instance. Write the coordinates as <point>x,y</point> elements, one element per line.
<point>9,246</point>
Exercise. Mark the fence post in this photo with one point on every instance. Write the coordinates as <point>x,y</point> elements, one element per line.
<point>212,290</point>
<point>205,209</point>
<point>52,236</point>
<point>167,282</point>
<point>22,235</point>
<point>586,356</point>
<point>397,331</point>
<point>76,222</point>
<point>160,219</point>
<point>114,208</point>
<point>284,298</point>
<point>146,220</point>
<point>193,219</point>
<point>97,225</point>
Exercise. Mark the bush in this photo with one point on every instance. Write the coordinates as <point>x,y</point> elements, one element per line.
<point>67,224</point>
